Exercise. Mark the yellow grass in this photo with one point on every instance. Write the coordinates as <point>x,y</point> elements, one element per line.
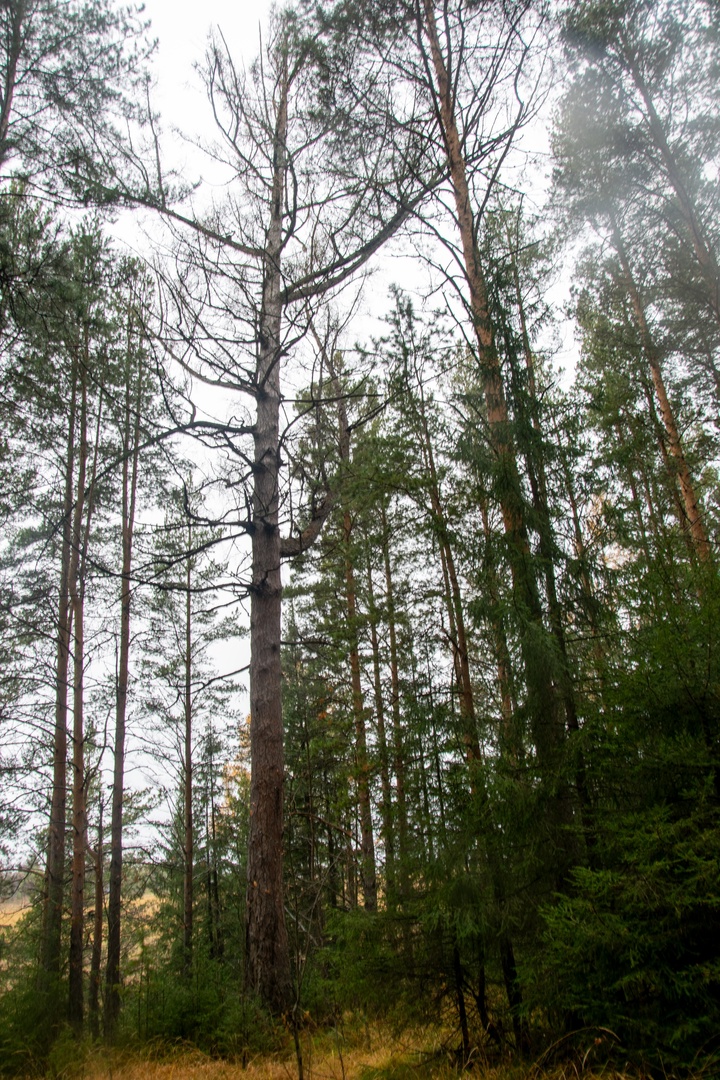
<point>375,1055</point>
<point>324,1058</point>
<point>12,911</point>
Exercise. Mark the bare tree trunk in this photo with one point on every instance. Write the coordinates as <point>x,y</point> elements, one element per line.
<point>55,869</point>
<point>267,952</point>
<point>188,847</point>
<point>76,588</point>
<point>98,912</point>
<point>217,946</point>
<point>386,802</point>
<point>397,728</point>
<point>368,871</point>
<point>131,447</point>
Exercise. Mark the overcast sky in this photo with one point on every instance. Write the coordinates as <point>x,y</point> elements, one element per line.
<point>182,27</point>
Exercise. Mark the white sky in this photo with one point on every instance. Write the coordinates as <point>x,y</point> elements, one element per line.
<point>182,28</point>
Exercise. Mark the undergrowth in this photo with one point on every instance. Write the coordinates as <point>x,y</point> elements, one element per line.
<point>353,1050</point>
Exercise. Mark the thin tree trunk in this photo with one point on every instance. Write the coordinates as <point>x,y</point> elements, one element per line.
<point>512,986</point>
<point>436,758</point>
<point>76,588</point>
<point>590,601</point>
<point>397,728</point>
<point>453,597</point>
<point>131,457</point>
<point>368,870</point>
<point>55,869</point>
<point>462,1011</point>
<point>386,802</point>
<point>188,847</point>
<point>98,912</point>
<point>332,875</point>
<point>218,944</point>
<point>454,605</point>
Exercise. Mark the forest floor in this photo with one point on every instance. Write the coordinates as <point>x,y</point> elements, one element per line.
<point>381,1055</point>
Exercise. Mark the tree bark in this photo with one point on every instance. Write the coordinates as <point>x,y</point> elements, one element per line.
<point>217,944</point>
<point>267,952</point>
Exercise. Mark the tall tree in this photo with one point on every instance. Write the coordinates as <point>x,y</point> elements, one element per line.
<point>267,257</point>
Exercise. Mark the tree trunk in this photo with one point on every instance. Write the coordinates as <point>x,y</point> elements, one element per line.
<point>267,952</point>
<point>458,641</point>
<point>217,941</point>
<point>462,1011</point>
<point>367,861</point>
<point>188,847</point>
<point>131,457</point>
<point>397,728</point>
<point>55,869</point>
<point>386,802</point>
<point>15,48</point>
<point>76,588</point>
<point>98,912</point>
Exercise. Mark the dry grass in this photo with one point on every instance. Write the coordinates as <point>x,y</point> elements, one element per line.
<point>11,911</point>
<point>376,1054</point>
<point>325,1057</point>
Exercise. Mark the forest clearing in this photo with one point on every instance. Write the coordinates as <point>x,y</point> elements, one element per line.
<point>360,539</point>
